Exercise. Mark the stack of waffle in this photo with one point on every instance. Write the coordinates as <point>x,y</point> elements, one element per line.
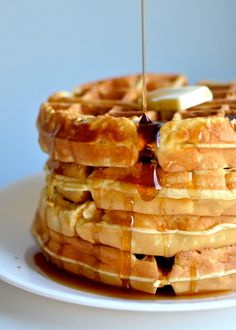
<point>134,202</point>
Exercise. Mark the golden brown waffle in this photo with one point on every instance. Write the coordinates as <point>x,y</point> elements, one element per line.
<point>200,138</point>
<point>148,234</point>
<point>83,127</point>
<point>197,144</point>
<point>149,181</point>
<point>221,90</point>
<point>69,180</point>
<point>97,262</point>
<point>144,179</point>
<point>133,202</point>
<point>218,107</point>
<point>192,272</point>
<point>182,144</point>
<point>207,270</point>
<point>146,189</point>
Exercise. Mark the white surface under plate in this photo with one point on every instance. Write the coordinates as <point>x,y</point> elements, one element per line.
<point>17,249</point>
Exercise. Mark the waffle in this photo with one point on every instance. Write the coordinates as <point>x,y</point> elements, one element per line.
<point>83,127</point>
<point>221,90</point>
<point>207,270</point>
<point>191,272</point>
<point>139,200</point>
<point>197,144</point>
<point>70,137</point>
<point>145,188</point>
<point>148,234</point>
<point>69,180</point>
<point>147,180</point>
<point>202,137</point>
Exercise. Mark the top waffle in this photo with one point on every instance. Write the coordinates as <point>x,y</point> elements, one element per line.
<point>221,90</point>
<point>102,124</point>
<point>83,127</point>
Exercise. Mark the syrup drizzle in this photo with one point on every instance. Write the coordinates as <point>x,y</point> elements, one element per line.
<point>62,242</point>
<point>95,235</point>
<point>166,244</point>
<point>149,182</point>
<point>144,89</point>
<point>193,276</point>
<point>52,140</point>
<point>127,223</point>
<point>149,130</point>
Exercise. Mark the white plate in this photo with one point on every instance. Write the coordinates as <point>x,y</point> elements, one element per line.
<point>17,249</point>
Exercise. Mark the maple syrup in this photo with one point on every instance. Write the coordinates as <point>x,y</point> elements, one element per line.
<point>52,139</point>
<point>166,244</point>
<point>67,279</point>
<point>79,283</point>
<point>193,276</point>
<point>95,235</point>
<point>127,222</point>
<point>148,130</point>
<point>149,183</point>
<point>144,89</point>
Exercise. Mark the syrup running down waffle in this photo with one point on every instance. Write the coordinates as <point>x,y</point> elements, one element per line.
<point>127,193</point>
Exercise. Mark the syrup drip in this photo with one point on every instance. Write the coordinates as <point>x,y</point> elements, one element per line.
<point>158,136</point>
<point>193,276</point>
<point>145,119</point>
<point>62,242</point>
<point>95,235</point>
<point>150,183</point>
<point>127,223</point>
<point>149,130</point>
<point>146,155</point>
<point>166,244</point>
<point>52,140</point>
<point>73,153</point>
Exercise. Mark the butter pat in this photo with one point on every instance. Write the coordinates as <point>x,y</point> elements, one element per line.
<point>178,99</point>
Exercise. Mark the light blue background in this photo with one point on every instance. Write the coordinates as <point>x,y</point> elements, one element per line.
<point>49,45</point>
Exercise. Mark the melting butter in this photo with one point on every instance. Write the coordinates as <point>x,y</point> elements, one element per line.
<point>178,99</point>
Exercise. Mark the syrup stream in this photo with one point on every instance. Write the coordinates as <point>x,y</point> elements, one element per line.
<point>144,90</point>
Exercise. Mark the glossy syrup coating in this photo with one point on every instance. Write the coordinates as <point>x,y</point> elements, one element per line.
<point>128,193</point>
